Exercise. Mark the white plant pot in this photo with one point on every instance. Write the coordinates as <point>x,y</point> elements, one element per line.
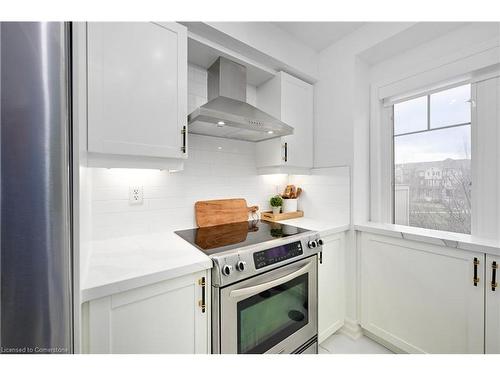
<point>276,210</point>
<point>289,205</point>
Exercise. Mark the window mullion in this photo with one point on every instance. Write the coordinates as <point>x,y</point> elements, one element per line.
<point>428,112</point>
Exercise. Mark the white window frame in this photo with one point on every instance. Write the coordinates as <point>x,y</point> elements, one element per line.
<point>485,220</point>
<point>428,128</point>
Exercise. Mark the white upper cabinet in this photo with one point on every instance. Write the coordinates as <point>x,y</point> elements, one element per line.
<point>290,100</point>
<point>137,89</point>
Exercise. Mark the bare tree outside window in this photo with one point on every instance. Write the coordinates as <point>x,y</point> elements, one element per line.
<point>432,162</point>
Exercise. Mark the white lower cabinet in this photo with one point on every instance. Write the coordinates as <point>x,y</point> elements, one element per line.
<point>160,318</point>
<point>422,298</point>
<point>331,286</point>
<point>492,328</point>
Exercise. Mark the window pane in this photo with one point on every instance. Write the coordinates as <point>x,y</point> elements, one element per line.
<point>410,116</point>
<point>432,174</point>
<point>450,107</point>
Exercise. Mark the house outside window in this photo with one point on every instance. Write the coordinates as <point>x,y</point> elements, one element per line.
<point>432,160</point>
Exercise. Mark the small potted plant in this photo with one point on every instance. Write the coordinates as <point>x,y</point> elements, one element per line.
<point>276,203</point>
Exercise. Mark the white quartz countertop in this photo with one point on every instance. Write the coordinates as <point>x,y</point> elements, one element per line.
<point>124,263</point>
<point>324,227</point>
<point>435,237</point>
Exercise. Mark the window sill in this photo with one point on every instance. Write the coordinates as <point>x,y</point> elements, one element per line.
<point>435,237</point>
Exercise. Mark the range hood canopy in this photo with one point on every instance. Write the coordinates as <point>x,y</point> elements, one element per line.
<point>227,114</point>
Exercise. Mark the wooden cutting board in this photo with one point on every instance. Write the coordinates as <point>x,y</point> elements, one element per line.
<point>222,211</point>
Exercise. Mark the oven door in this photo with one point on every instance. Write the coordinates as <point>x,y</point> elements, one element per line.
<point>275,312</point>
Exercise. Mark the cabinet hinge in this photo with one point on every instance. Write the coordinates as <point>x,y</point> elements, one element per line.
<point>202,303</point>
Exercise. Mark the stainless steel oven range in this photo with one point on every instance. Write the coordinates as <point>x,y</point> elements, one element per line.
<point>264,286</point>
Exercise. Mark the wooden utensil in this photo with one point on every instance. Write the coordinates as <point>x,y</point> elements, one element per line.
<point>299,191</point>
<point>222,211</point>
<point>288,191</point>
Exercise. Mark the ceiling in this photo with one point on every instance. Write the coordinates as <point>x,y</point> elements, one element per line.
<point>412,37</point>
<point>318,35</point>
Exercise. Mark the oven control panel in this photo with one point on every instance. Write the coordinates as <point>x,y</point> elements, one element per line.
<point>236,265</point>
<point>277,254</point>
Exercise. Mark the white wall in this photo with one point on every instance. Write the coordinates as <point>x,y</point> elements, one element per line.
<point>336,94</point>
<point>341,125</point>
<point>472,38</point>
<point>276,43</point>
<point>326,194</point>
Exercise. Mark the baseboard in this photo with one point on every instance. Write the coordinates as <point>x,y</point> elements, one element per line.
<point>322,336</point>
<point>393,348</point>
<point>352,329</point>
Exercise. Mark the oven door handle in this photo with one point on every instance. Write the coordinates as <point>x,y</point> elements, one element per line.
<point>270,284</point>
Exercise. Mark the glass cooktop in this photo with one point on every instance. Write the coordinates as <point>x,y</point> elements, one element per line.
<point>219,238</point>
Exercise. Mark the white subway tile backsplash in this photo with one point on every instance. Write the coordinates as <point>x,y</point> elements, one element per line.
<point>210,173</point>
<point>326,194</point>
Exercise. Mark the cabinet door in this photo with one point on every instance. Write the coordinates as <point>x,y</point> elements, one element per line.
<point>297,111</point>
<point>420,297</point>
<point>492,329</point>
<point>137,88</point>
<point>331,286</point>
<point>291,100</point>
<point>159,318</point>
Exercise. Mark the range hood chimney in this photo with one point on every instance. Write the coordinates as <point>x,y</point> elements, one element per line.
<point>227,114</point>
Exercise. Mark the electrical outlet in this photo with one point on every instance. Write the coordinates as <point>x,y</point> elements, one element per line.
<point>135,194</point>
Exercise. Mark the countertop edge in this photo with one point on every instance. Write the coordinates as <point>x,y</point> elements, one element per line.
<point>335,230</point>
<point>434,237</point>
<point>324,228</point>
<point>100,291</point>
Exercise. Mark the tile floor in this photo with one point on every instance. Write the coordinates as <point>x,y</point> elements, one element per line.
<point>339,343</point>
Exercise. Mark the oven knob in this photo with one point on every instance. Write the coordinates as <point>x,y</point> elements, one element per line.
<point>226,270</point>
<point>312,244</point>
<point>240,266</point>
<point>320,242</point>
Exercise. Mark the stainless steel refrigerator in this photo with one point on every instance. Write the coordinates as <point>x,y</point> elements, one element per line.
<point>36,188</point>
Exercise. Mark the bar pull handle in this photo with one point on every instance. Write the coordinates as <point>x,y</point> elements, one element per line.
<point>494,284</point>
<point>202,302</point>
<point>286,152</point>
<point>476,279</point>
<point>184,135</point>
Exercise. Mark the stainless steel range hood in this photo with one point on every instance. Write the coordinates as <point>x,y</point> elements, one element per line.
<point>227,114</point>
